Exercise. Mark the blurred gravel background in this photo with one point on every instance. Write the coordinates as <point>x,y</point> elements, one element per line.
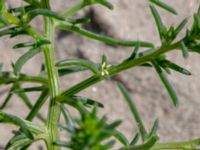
<point>132,20</point>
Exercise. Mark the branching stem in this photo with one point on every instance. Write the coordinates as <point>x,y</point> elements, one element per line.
<point>54,86</point>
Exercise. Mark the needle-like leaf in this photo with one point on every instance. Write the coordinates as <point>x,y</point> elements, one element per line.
<point>102,2</point>
<point>134,111</point>
<point>31,89</point>
<point>113,125</point>
<point>8,31</point>
<point>154,129</point>
<point>121,138</point>
<point>102,38</point>
<point>26,100</point>
<point>86,101</point>
<point>20,144</point>
<point>37,106</point>
<point>134,53</point>
<point>158,21</point>
<point>33,45</point>
<point>14,140</point>
<point>44,12</point>
<point>105,3</point>
<point>145,146</point>
<point>62,144</point>
<point>21,9</point>
<point>9,77</point>
<point>166,83</point>
<point>8,97</point>
<point>168,64</point>
<point>185,50</point>
<point>23,45</point>
<point>180,27</point>
<point>135,139</point>
<point>157,18</point>
<point>197,20</point>
<point>79,62</point>
<point>68,118</point>
<point>79,21</point>
<point>164,6</point>
<point>68,70</point>
<point>7,118</point>
<point>24,58</point>
<point>33,2</point>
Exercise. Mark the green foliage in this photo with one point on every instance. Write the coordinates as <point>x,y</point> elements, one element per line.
<point>102,2</point>
<point>87,131</point>
<point>79,62</point>
<point>164,6</point>
<point>134,111</point>
<point>6,118</point>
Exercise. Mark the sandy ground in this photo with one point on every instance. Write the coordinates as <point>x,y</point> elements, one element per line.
<point>131,19</point>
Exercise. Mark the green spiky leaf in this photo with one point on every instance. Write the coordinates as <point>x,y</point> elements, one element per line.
<point>102,38</point>
<point>134,53</point>
<point>24,58</point>
<point>134,111</point>
<point>44,12</point>
<point>68,118</point>
<point>185,50</point>
<point>8,97</point>
<point>31,89</point>
<point>173,66</point>
<point>7,118</point>
<point>154,129</point>
<point>164,6</point>
<point>135,139</point>
<point>180,27</point>
<point>33,45</point>
<point>121,138</point>
<point>102,2</point>
<point>69,70</point>
<point>166,83</point>
<point>37,106</point>
<point>145,146</point>
<point>86,101</point>
<point>79,62</point>
<point>79,21</point>
<point>158,21</point>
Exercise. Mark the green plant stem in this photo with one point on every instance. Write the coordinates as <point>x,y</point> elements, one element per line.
<point>54,87</point>
<point>39,103</point>
<point>53,80</point>
<point>63,25</point>
<point>22,78</point>
<point>189,145</point>
<point>147,56</point>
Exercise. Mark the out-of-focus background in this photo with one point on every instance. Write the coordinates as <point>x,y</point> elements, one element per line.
<point>131,20</point>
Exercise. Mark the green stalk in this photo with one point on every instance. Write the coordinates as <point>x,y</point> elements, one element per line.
<point>189,145</point>
<point>54,87</point>
<point>117,69</point>
<point>53,79</point>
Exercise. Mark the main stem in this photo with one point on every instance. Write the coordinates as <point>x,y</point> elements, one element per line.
<point>54,86</point>
<point>189,145</point>
<point>117,69</point>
